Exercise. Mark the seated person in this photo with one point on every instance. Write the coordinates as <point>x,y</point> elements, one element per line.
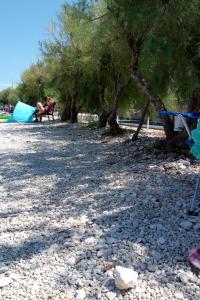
<point>44,108</point>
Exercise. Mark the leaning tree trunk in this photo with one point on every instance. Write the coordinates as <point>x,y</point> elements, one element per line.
<point>173,140</point>
<point>135,135</point>
<point>155,100</point>
<point>136,46</point>
<point>112,119</point>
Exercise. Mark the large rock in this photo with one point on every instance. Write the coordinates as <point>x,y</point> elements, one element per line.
<point>125,278</point>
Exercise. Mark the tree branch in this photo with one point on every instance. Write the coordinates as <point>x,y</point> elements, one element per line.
<point>97,18</point>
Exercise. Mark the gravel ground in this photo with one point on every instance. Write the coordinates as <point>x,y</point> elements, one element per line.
<point>74,205</point>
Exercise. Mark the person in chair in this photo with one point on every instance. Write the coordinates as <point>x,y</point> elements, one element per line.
<point>44,108</point>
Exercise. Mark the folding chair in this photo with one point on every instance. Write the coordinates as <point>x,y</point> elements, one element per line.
<point>182,116</point>
<point>50,113</point>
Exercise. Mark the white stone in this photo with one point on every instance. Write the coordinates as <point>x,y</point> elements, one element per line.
<point>111,295</point>
<point>109,273</point>
<point>179,295</point>
<point>90,240</point>
<point>14,276</point>
<point>125,278</point>
<point>4,281</point>
<point>68,244</point>
<point>100,253</point>
<point>184,277</point>
<point>140,289</point>
<point>71,261</point>
<point>80,295</point>
<point>84,218</point>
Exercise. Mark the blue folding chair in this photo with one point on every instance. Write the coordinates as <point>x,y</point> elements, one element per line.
<point>192,139</point>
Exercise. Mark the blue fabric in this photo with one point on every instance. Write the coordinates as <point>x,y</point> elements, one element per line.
<point>190,115</point>
<point>196,150</point>
<point>196,138</point>
<point>196,135</point>
<point>22,113</point>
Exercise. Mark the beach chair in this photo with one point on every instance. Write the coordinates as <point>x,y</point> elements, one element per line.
<point>49,113</point>
<point>193,137</point>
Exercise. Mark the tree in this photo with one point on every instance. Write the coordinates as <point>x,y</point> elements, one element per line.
<point>163,41</point>
<point>9,96</point>
<point>68,60</point>
<point>31,89</point>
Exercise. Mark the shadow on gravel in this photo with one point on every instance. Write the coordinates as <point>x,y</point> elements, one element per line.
<point>139,218</point>
<point>151,230</point>
<point>33,246</point>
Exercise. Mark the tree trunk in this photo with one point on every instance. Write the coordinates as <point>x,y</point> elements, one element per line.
<point>135,135</point>
<point>103,118</point>
<point>112,122</point>
<point>73,112</point>
<point>66,113</point>
<point>136,46</point>
<point>74,115</point>
<point>156,102</point>
<point>105,111</point>
<point>193,106</point>
<point>194,102</point>
<point>119,88</point>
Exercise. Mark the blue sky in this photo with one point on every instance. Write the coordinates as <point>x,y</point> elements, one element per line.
<point>23,23</point>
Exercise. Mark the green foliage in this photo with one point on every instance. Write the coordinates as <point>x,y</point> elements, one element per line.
<point>89,45</point>
<point>170,53</point>
<point>9,96</point>
<point>32,86</point>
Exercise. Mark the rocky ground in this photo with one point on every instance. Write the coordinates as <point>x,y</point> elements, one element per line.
<point>74,205</point>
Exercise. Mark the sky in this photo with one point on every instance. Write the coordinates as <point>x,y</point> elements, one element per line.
<point>23,23</point>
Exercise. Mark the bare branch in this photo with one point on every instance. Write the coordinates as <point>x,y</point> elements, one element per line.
<point>97,18</point>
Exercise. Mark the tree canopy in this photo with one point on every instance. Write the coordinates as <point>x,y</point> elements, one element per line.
<point>109,55</point>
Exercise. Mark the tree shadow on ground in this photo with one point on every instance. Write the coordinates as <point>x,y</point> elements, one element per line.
<point>136,217</point>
